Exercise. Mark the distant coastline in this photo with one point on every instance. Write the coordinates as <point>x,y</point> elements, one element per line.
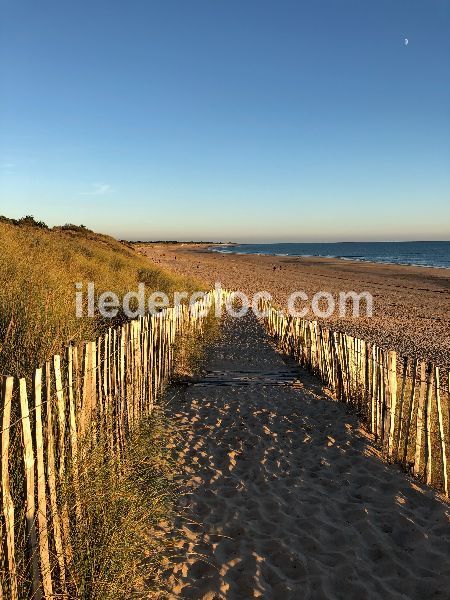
<point>411,312</point>
<point>434,254</point>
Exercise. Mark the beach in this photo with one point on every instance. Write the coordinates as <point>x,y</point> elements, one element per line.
<point>283,494</point>
<point>411,305</point>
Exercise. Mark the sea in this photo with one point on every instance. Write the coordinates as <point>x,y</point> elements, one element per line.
<point>421,254</point>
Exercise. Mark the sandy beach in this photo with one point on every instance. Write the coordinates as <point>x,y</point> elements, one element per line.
<point>411,311</point>
<point>285,497</point>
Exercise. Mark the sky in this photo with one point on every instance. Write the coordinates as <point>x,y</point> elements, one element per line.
<point>236,120</point>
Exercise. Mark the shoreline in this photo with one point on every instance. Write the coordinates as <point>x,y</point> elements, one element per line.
<point>200,248</point>
<point>411,304</point>
<point>356,260</point>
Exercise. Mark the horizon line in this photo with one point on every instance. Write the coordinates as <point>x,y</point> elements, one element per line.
<point>229,243</point>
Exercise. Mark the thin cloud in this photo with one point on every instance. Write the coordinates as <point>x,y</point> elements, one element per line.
<point>99,189</point>
<point>7,166</point>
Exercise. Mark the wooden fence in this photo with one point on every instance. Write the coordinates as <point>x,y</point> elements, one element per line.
<point>403,402</point>
<point>100,389</point>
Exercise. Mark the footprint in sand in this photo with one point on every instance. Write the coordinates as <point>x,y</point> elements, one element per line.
<point>286,499</point>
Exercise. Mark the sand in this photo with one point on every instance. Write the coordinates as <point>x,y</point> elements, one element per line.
<point>411,304</point>
<point>286,498</point>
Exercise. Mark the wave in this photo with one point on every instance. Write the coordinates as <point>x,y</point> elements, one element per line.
<point>418,254</point>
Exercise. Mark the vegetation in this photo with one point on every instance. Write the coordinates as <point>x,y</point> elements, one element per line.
<point>125,499</point>
<point>27,221</point>
<point>120,547</point>
<point>39,268</point>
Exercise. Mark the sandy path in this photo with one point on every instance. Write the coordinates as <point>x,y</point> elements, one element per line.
<point>286,498</point>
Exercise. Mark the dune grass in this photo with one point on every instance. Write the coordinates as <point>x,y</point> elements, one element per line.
<point>38,272</point>
<point>119,548</point>
<point>117,552</point>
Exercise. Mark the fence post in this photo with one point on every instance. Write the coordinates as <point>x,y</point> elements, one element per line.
<point>8,504</point>
<point>410,414</point>
<point>51,474</point>
<point>420,418</point>
<point>392,366</point>
<point>41,495</point>
<point>441,432</point>
<point>400,408</point>
<point>71,352</point>
<point>28,459</point>
<point>428,420</point>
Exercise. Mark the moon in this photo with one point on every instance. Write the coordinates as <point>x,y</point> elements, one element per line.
<point>406,41</point>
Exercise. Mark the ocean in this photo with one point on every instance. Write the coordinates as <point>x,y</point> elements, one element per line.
<point>423,254</point>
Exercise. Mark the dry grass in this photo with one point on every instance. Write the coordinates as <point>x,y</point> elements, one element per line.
<point>117,550</point>
<point>123,501</point>
<point>189,351</point>
<point>38,272</point>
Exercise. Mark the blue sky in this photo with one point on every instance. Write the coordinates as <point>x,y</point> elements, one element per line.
<point>247,120</point>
